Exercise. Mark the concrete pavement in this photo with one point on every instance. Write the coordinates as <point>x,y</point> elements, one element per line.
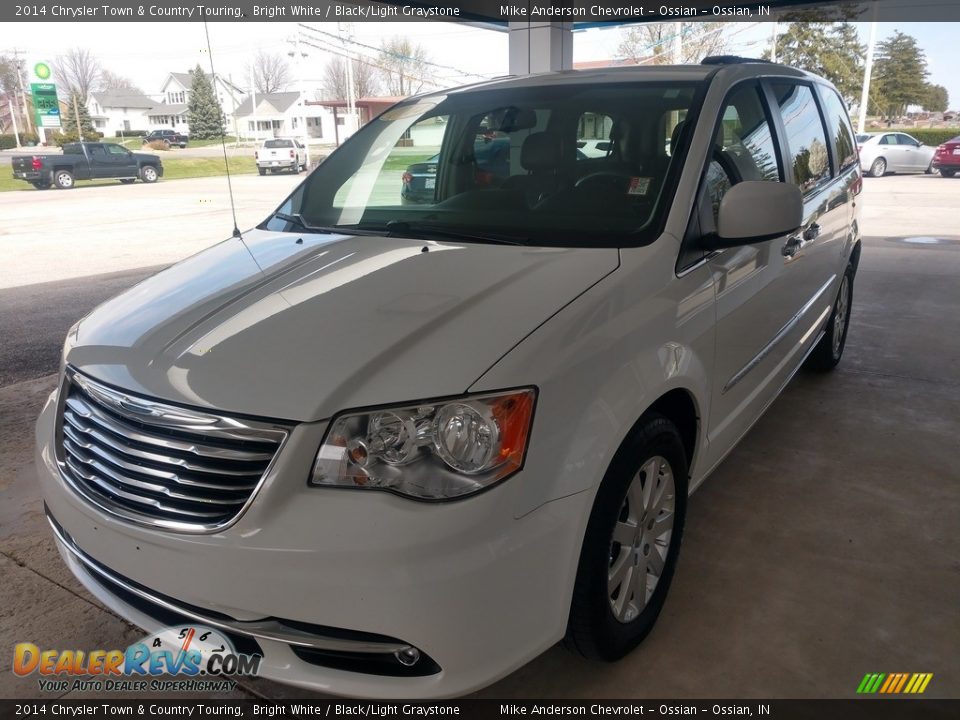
<point>824,547</point>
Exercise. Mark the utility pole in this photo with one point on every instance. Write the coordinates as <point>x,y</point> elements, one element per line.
<point>301,100</point>
<point>13,116</point>
<point>867,71</point>
<point>677,43</point>
<point>23,96</point>
<point>773,41</point>
<point>351,86</point>
<point>253,102</point>
<point>76,114</point>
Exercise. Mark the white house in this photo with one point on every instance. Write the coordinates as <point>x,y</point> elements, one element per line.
<point>116,111</point>
<point>169,110</point>
<point>281,115</point>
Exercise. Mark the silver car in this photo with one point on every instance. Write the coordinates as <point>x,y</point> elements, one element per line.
<point>881,153</point>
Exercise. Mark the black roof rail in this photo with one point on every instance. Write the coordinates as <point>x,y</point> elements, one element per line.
<point>730,60</point>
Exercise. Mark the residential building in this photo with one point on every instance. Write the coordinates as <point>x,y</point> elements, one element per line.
<point>281,115</point>
<point>169,110</point>
<point>119,111</point>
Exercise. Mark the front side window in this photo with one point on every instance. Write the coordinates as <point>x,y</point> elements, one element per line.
<point>904,139</point>
<point>806,136</point>
<point>510,162</point>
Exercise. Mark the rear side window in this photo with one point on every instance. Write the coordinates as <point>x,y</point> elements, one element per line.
<point>806,137</point>
<point>840,129</point>
<point>273,144</point>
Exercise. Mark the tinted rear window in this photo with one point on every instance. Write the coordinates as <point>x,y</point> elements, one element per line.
<point>271,144</point>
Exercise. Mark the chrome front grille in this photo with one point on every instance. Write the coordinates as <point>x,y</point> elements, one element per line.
<point>160,464</point>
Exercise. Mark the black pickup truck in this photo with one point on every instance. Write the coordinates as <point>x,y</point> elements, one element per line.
<point>167,137</point>
<point>87,161</point>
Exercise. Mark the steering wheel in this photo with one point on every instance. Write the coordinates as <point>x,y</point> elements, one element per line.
<point>601,178</point>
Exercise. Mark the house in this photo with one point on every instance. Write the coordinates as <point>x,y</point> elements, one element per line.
<point>169,109</point>
<point>281,115</point>
<point>118,111</point>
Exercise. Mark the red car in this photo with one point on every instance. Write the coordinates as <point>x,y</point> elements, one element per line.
<point>947,158</point>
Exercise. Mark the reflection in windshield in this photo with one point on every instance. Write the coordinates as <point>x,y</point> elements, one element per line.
<point>566,164</point>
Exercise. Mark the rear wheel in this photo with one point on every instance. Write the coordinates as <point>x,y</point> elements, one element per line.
<point>63,179</point>
<point>296,168</point>
<point>947,173</point>
<point>631,545</point>
<point>41,185</point>
<point>262,171</point>
<point>879,168</point>
<point>148,173</point>
<point>829,350</point>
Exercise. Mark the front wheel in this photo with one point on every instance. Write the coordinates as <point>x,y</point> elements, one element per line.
<point>148,173</point>
<point>631,545</point>
<point>947,173</point>
<point>879,168</point>
<point>63,179</point>
<point>262,171</point>
<point>829,350</point>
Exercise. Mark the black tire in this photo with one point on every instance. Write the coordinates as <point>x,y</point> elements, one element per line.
<point>41,185</point>
<point>929,170</point>
<point>296,168</point>
<point>262,171</point>
<point>593,630</point>
<point>63,179</point>
<point>183,146</point>
<point>127,181</point>
<point>879,168</point>
<point>828,351</point>
<point>947,173</point>
<point>149,174</point>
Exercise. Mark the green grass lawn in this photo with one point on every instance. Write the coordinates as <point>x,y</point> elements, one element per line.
<point>174,168</point>
<point>135,143</point>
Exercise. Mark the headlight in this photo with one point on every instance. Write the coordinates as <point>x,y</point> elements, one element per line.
<point>68,343</point>
<point>430,450</point>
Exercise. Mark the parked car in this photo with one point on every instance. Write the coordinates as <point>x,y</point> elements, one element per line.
<point>400,450</point>
<point>281,154</point>
<point>898,152</point>
<point>167,137</point>
<point>490,163</point>
<point>87,161</point>
<point>947,158</point>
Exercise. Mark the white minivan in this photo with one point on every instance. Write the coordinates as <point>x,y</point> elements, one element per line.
<point>398,450</point>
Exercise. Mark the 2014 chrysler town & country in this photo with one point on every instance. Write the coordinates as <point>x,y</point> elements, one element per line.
<point>399,450</point>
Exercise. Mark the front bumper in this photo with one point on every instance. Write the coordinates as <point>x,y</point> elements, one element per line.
<point>476,590</point>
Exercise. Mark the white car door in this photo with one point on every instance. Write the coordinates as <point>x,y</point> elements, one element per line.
<point>894,153</point>
<point>916,159</point>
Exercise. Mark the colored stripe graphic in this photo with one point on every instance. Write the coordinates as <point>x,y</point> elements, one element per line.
<point>894,683</point>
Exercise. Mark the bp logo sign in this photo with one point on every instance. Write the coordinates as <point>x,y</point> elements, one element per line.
<point>42,71</point>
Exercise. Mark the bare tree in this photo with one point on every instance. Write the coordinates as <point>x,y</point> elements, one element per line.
<point>110,80</point>
<point>366,82</point>
<point>404,66</point>
<point>651,43</point>
<point>78,71</point>
<point>271,72</point>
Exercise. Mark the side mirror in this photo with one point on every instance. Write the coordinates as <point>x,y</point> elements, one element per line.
<point>753,211</point>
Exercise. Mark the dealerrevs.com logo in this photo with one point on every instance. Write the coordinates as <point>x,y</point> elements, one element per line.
<point>185,658</point>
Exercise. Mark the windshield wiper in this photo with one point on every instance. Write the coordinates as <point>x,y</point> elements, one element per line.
<point>297,219</point>
<point>430,232</point>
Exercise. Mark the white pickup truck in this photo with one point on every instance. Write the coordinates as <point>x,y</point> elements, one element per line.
<point>281,154</point>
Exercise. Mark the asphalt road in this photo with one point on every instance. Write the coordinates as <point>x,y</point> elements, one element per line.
<point>64,252</point>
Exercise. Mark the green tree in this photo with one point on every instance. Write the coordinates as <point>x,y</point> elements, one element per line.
<point>832,50</point>
<point>69,119</point>
<point>899,75</point>
<point>937,100</point>
<point>203,109</point>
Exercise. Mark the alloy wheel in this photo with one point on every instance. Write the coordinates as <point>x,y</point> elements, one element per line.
<point>641,539</point>
<point>840,315</point>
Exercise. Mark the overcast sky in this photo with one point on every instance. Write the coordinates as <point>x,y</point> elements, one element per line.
<point>146,52</point>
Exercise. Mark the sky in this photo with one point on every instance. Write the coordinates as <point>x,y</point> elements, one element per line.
<point>147,52</point>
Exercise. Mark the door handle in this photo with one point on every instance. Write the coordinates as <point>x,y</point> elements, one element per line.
<point>811,232</point>
<point>794,243</point>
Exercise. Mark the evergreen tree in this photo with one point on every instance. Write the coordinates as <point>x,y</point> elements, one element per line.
<point>937,99</point>
<point>203,109</point>
<point>899,75</point>
<point>832,50</point>
<point>69,119</point>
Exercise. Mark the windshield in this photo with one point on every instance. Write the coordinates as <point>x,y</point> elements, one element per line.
<point>584,165</point>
